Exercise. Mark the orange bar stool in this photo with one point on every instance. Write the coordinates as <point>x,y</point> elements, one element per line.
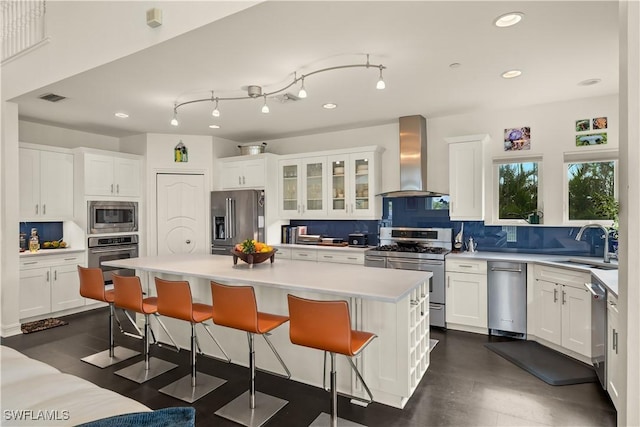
<point>174,300</point>
<point>92,286</point>
<point>326,325</point>
<point>235,307</point>
<point>128,296</point>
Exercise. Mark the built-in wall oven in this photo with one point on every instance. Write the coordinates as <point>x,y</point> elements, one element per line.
<point>112,217</point>
<point>421,249</point>
<point>111,248</point>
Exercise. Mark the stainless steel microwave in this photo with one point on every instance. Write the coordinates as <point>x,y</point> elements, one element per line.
<point>112,217</point>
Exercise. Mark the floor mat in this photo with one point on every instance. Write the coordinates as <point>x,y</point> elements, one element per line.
<point>41,325</point>
<point>549,365</point>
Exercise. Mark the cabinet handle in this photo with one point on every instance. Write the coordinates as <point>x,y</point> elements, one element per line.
<point>352,258</point>
<point>47,276</point>
<point>69,259</point>
<point>44,209</point>
<point>612,304</point>
<point>29,263</point>
<point>36,209</point>
<point>448,283</point>
<point>302,255</point>
<point>55,274</point>
<point>615,341</point>
<point>555,295</point>
<point>327,256</point>
<point>243,180</point>
<point>414,302</point>
<point>118,188</point>
<point>298,208</point>
<point>564,300</point>
<point>111,188</point>
<point>239,180</point>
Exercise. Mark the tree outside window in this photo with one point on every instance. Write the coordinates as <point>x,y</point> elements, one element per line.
<point>591,186</point>
<point>518,190</point>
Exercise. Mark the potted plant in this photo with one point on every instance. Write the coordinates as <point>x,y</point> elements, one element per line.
<point>608,207</point>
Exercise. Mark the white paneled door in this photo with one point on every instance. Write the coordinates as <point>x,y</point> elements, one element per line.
<point>181,210</point>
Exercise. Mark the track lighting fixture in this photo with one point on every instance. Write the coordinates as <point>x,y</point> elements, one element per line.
<point>254,91</point>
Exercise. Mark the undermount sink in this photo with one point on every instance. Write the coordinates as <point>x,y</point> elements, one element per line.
<point>601,265</point>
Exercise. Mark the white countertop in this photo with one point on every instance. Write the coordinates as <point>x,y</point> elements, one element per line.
<point>44,252</point>
<point>608,277</point>
<point>323,247</point>
<point>346,280</point>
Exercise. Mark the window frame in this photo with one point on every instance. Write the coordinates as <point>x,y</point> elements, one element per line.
<point>496,163</point>
<point>565,189</point>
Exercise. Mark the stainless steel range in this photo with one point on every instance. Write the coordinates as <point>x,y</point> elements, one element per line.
<point>421,249</point>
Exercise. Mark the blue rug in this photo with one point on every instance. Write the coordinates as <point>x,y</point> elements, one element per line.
<point>167,417</point>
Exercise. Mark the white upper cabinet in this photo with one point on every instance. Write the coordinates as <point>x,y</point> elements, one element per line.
<point>302,187</point>
<point>243,174</point>
<point>466,177</point>
<point>46,185</point>
<point>111,175</point>
<point>353,183</point>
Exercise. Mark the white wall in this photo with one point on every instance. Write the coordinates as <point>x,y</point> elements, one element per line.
<point>37,133</point>
<point>552,134</point>
<point>9,220</point>
<point>86,34</point>
<point>159,158</point>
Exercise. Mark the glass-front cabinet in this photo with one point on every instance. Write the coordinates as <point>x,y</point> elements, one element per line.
<point>302,185</point>
<point>351,185</point>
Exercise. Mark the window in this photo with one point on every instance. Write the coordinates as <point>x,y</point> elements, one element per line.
<point>590,186</point>
<point>518,187</point>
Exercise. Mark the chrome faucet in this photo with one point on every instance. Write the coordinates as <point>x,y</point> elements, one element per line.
<point>606,238</point>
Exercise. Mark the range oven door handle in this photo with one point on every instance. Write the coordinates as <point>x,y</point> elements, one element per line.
<point>104,251</point>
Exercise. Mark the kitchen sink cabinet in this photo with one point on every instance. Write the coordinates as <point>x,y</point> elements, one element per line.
<point>243,173</point>
<point>111,175</point>
<point>49,284</point>
<point>562,308</point>
<point>46,184</point>
<point>466,177</point>
<point>613,358</point>
<point>466,295</point>
<point>302,187</point>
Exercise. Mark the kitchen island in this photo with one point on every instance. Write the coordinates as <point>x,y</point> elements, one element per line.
<point>393,304</point>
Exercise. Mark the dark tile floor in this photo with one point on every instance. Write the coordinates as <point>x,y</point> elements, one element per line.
<point>466,384</point>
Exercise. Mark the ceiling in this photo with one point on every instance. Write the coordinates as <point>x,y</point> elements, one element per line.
<point>556,45</point>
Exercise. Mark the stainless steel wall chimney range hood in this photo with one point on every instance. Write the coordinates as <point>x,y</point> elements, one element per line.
<point>413,159</point>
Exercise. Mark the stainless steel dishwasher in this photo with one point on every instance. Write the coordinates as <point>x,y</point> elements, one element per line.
<point>507,298</point>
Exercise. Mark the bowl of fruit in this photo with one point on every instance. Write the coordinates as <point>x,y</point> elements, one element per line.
<point>253,252</point>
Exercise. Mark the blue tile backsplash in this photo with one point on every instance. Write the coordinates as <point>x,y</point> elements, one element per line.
<point>47,231</point>
<point>415,212</point>
<point>341,228</point>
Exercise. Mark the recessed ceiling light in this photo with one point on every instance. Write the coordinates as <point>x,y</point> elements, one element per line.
<point>455,65</point>
<point>589,82</point>
<point>121,115</point>
<point>511,74</point>
<point>214,126</point>
<point>508,19</point>
<point>329,106</point>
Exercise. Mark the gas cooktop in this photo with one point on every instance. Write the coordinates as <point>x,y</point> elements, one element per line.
<point>414,249</point>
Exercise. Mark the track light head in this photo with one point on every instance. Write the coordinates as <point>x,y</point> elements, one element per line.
<point>380,85</point>
<point>216,112</point>
<point>303,92</point>
<point>265,107</point>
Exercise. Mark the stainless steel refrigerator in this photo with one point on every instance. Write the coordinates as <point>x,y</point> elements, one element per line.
<point>235,216</point>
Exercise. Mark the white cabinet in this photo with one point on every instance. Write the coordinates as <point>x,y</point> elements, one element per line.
<point>111,175</point>
<point>304,254</point>
<point>613,358</point>
<point>466,177</point>
<point>353,182</point>
<point>46,185</point>
<point>340,257</point>
<point>243,174</point>
<point>302,187</point>
<point>466,295</point>
<point>562,308</point>
<point>49,284</point>
<point>321,254</point>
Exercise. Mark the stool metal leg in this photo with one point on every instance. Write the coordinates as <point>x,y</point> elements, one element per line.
<point>332,419</point>
<point>261,406</point>
<point>190,388</point>
<point>144,371</point>
<point>114,354</point>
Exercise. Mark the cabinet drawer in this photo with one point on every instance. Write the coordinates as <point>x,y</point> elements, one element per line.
<point>564,276</point>
<point>342,258</point>
<point>284,253</point>
<point>612,303</point>
<point>466,266</point>
<point>304,254</point>
<point>51,260</point>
